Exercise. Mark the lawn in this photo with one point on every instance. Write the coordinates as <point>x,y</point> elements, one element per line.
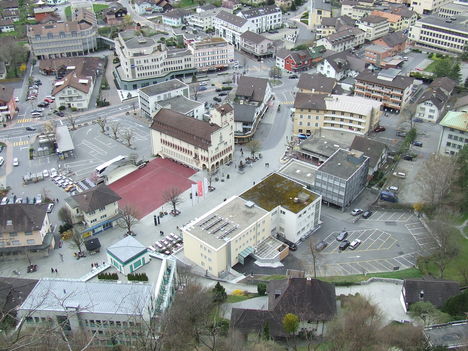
<point>431,67</point>
<point>96,7</point>
<point>237,298</point>
<point>185,3</point>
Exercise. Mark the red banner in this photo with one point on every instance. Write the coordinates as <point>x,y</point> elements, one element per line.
<point>200,188</point>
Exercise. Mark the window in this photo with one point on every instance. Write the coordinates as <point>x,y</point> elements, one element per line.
<point>30,241</point>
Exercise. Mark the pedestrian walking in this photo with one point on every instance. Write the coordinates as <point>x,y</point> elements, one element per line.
<point>56,271</point>
<point>52,270</point>
<point>92,265</point>
<point>61,257</point>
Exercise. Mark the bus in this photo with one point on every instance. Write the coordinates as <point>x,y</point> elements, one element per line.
<point>102,168</point>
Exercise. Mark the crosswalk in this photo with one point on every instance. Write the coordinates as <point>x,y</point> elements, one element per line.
<point>287,102</point>
<point>21,142</point>
<point>24,120</point>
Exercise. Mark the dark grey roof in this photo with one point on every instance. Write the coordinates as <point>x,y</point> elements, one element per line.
<point>338,22</point>
<point>459,24</point>
<point>244,113</point>
<point>180,104</point>
<point>232,19</point>
<point>371,148</point>
<point>434,291</point>
<point>253,37</point>
<point>343,163</point>
<point>163,87</point>
<point>445,84</point>
<point>92,244</point>
<point>22,217</point>
<point>453,335</point>
<point>316,83</point>
<point>309,299</point>
<point>461,102</point>
<point>176,13</point>
<point>339,61</point>
<point>399,82</point>
<point>13,292</point>
<point>139,42</point>
<point>320,146</point>
<point>260,11</point>
<point>208,7</point>
<point>321,5</point>
<point>310,101</point>
<point>343,35</point>
<point>394,39</point>
<point>6,93</point>
<point>373,19</point>
<point>92,199</point>
<point>252,88</point>
<point>436,96</point>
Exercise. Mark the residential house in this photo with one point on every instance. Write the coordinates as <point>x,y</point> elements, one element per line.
<point>195,143</point>
<point>76,87</point>
<point>96,209</point>
<point>83,13</point>
<point>399,18</point>
<point>256,44</point>
<point>60,39</point>
<point>374,26</point>
<point>342,177</point>
<point>431,105</point>
<point>434,291</point>
<point>341,65</point>
<point>252,97</point>
<point>149,7</point>
<point>186,106</point>
<point>175,17</point>
<point>378,55</point>
<point>7,103</point>
<point>454,135</point>
<point>150,97</point>
<point>227,234</point>
<point>312,300</point>
<point>375,150</point>
<point>396,42</point>
<point>426,7</point>
<point>313,112</point>
<point>293,61</point>
<point>25,227</point>
<point>356,9</point>
<point>41,13</point>
<point>440,34</point>
<point>114,14</point>
<point>231,4</point>
<point>461,104</point>
<point>230,27</point>
<point>331,25</point>
<point>263,19</point>
<point>203,19</point>
<point>127,255</point>
<point>315,83</point>
<point>211,54</point>
<point>387,86</point>
<point>80,307</point>
<point>13,292</point>
<point>6,25</point>
<point>144,61</point>
<point>343,40</point>
<point>452,335</point>
<point>319,9</point>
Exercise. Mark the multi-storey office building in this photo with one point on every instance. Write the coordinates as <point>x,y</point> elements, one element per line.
<point>211,54</point>
<point>374,26</point>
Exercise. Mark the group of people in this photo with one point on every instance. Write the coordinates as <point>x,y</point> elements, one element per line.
<point>96,265</point>
<point>53,270</point>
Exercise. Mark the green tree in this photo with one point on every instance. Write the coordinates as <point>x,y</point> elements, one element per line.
<point>261,289</point>
<point>219,293</point>
<point>462,181</point>
<point>457,305</point>
<point>447,67</point>
<point>293,7</point>
<point>291,325</point>
<point>266,331</point>
<point>428,313</point>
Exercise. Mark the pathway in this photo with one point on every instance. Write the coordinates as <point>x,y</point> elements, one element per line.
<point>461,228</point>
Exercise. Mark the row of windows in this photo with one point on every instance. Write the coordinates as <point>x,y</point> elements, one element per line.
<point>209,53</point>
<point>442,36</point>
<point>453,137</point>
<point>443,42</point>
<point>454,146</point>
<point>3,243</point>
<point>211,58</point>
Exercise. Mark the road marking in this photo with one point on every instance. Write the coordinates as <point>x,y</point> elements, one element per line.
<point>24,120</point>
<point>287,102</point>
<point>21,142</point>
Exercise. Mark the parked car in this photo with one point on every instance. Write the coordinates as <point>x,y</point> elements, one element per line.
<point>217,99</point>
<point>321,245</point>
<point>388,196</point>
<point>393,188</point>
<point>31,129</point>
<point>38,199</point>
<point>203,83</point>
<point>59,113</point>
<point>53,172</point>
<point>2,161</point>
<point>417,143</point>
<point>50,207</point>
<point>356,211</point>
<point>343,235</point>
<point>49,101</point>
<point>36,114</point>
<point>407,157</point>
<point>223,94</point>
<point>45,173</point>
<point>401,134</point>
<point>1,148</point>
<point>43,104</point>
<point>15,162</point>
<point>379,129</point>
<point>399,174</point>
<point>343,245</point>
<point>354,244</point>
<point>293,76</point>
<point>367,214</point>
<point>418,120</point>
<point>50,97</point>
<point>4,201</point>
<point>202,88</point>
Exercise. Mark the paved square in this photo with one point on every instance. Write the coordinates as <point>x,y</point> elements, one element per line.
<point>145,187</point>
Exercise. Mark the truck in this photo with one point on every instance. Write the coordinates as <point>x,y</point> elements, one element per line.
<point>388,196</point>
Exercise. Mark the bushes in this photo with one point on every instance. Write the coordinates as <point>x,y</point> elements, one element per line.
<point>457,305</point>
<point>261,289</point>
<point>108,276</point>
<point>140,277</point>
<point>64,227</point>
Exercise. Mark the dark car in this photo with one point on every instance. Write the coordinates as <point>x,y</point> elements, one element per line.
<point>43,104</point>
<point>367,214</point>
<point>418,120</point>
<point>217,99</point>
<point>31,129</point>
<point>293,76</point>
<point>223,94</point>
<point>202,88</point>
<point>408,157</point>
<point>379,129</point>
<point>401,134</point>
<point>417,143</point>
<point>1,148</point>
<point>344,245</point>
<point>343,235</point>
<point>321,246</point>
<point>59,113</point>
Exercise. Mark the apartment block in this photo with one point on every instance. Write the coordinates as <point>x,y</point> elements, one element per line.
<point>25,227</point>
<point>319,9</point>
<point>431,104</point>
<point>454,135</point>
<point>204,19</point>
<point>343,40</point>
<point>374,26</point>
<point>426,7</point>
<point>143,61</point>
<point>211,54</point>
<point>398,18</point>
<point>342,177</point>
<point>356,9</point>
<point>230,27</point>
<point>175,17</point>
<point>256,44</point>
<point>351,114</point>
<point>60,39</point>
<point>440,34</point>
<point>387,86</point>
<point>263,19</point>
<point>195,143</point>
<point>331,25</point>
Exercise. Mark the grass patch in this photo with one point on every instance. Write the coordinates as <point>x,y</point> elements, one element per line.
<point>431,67</point>
<point>356,279</point>
<point>275,82</point>
<point>9,34</point>
<point>273,277</point>
<point>305,14</point>
<point>96,8</point>
<point>185,3</point>
<point>68,12</point>
<point>237,298</point>
<point>305,20</point>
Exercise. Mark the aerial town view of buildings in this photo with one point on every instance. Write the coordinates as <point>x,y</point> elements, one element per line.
<point>233,175</point>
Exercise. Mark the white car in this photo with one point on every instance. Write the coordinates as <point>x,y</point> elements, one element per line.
<point>16,99</point>
<point>53,172</point>
<point>354,244</point>
<point>15,162</point>
<point>393,188</point>
<point>45,173</point>
<point>50,207</point>
<point>356,211</point>
<point>399,174</point>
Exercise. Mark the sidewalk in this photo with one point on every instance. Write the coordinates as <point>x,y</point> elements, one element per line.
<point>110,94</point>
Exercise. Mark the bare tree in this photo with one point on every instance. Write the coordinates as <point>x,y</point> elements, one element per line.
<point>72,119</point>
<point>433,179</point>
<point>128,136</point>
<point>77,240</point>
<point>65,215</point>
<point>446,249</point>
<point>128,217</point>
<point>115,128</point>
<point>49,127</point>
<point>315,254</point>
<point>194,89</point>
<point>102,123</point>
<point>253,146</point>
<point>172,195</point>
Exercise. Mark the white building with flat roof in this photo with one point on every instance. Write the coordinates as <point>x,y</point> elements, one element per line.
<point>454,135</point>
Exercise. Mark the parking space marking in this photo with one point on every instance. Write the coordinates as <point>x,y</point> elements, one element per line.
<point>378,216</point>
<point>21,142</point>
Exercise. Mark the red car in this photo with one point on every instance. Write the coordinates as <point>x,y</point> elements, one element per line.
<point>379,129</point>
<point>48,100</point>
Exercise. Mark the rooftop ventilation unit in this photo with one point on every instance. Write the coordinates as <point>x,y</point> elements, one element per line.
<point>249,204</point>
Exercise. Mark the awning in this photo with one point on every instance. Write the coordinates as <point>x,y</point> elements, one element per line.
<point>245,253</point>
